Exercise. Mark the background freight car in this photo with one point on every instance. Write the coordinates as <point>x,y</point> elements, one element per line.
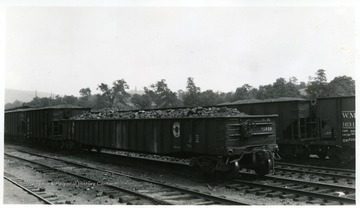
<point>336,127</point>
<point>325,127</point>
<point>218,143</point>
<point>38,124</point>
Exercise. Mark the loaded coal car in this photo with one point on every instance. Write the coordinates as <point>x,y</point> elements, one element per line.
<point>324,127</point>
<point>216,143</point>
<point>296,123</point>
<point>38,125</point>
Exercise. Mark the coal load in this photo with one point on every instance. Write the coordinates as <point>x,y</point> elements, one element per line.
<point>168,113</point>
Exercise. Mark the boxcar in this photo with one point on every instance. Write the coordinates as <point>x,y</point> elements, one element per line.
<point>336,117</point>
<point>38,124</point>
<point>325,126</point>
<point>221,143</point>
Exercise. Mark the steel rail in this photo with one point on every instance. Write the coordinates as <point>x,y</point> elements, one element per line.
<point>95,181</point>
<point>28,190</point>
<point>216,199</point>
<point>318,168</point>
<point>315,173</point>
<point>302,192</point>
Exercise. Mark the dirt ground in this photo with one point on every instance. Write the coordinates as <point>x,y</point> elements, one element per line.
<point>15,195</point>
<point>65,189</point>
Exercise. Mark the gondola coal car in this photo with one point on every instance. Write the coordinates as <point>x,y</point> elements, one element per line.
<point>40,125</point>
<point>213,143</point>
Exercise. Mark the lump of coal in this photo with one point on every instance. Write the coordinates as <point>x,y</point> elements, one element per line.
<point>194,112</point>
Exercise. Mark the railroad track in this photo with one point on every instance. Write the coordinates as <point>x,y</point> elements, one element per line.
<point>287,170</point>
<point>39,193</point>
<point>161,194</point>
<point>309,192</point>
<point>317,162</point>
<point>326,174</point>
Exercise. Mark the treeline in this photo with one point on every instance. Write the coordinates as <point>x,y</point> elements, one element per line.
<point>158,95</point>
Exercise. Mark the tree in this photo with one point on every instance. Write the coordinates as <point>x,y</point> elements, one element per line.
<point>264,92</point>
<point>115,94</point>
<point>280,88</point>
<point>244,92</point>
<point>192,95</point>
<point>161,96</point>
<point>292,90</point>
<point>209,98</point>
<point>15,104</point>
<point>191,87</point>
<point>141,101</point>
<point>342,86</point>
<point>320,76</point>
<point>85,93</point>
<point>293,80</point>
<point>317,86</point>
<point>72,100</point>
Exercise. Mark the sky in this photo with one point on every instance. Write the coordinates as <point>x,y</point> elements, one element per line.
<point>61,49</point>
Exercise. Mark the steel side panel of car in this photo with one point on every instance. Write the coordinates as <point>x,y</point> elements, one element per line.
<point>337,120</point>
<point>289,112</point>
<point>166,136</point>
<point>38,123</point>
<point>14,125</point>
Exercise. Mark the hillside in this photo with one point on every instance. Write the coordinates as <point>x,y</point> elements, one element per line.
<point>26,96</point>
<point>22,95</point>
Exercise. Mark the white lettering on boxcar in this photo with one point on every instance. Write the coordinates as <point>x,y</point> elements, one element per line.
<point>348,126</point>
<point>347,114</point>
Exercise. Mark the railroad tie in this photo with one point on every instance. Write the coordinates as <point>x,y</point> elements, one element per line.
<point>206,203</point>
<point>114,195</point>
<point>197,201</point>
<point>263,192</point>
<point>296,187</point>
<point>351,196</point>
<point>241,188</point>
<point>315,201</point>
<point>253,190</point>
<point>323,191</point>
<point>45,196</point>
<point>274,194</point>
<point>287,196</point>
<point>170,193</point>
<point>108,192</point>
<point>301,198</point>
<point>127,198</point>
<point>331,203</point>
<point>178,197</point>
<point>36,189</point>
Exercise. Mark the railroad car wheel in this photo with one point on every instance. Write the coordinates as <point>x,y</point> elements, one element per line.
<point>335,154</point>
<point>287,151</point>
<point>68,145</point>
<point>264,169</point>
<point>207,165</point>
<point>348,154</point>
<point>86,147</point>
<point>322,154</point>
<point>302,152</point>
<point>98,149</point>
<point>235,168</point>
<point>263,163</point>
